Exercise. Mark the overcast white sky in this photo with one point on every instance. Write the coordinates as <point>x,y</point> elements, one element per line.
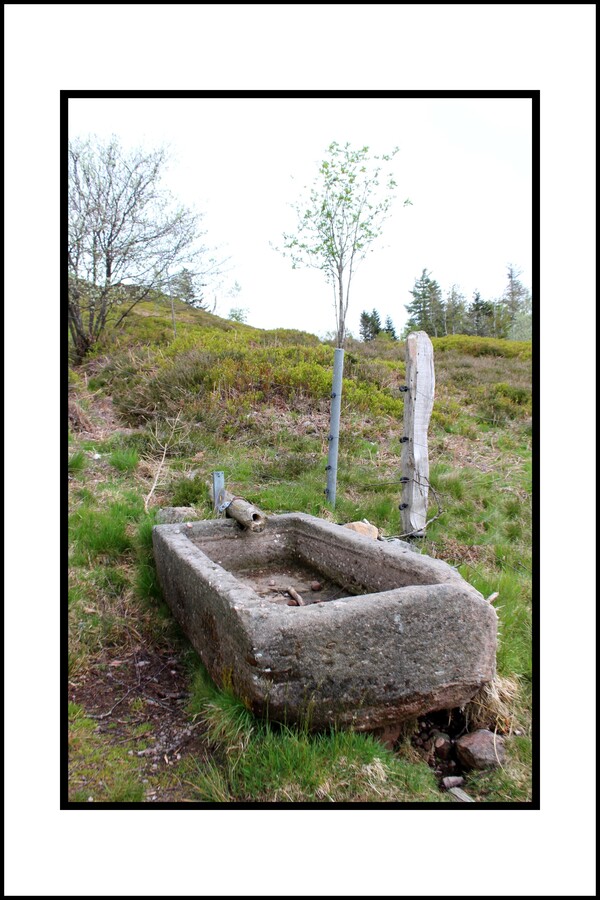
<point>464,163</point>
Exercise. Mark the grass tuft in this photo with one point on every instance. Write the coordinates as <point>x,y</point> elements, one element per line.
<point>77,462</point>
<point>495,706</point>
<point>124,460</point>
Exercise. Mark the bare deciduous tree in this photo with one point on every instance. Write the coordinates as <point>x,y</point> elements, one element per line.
<point>124,234</point>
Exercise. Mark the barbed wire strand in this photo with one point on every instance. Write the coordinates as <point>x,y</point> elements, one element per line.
<point>417,531</point>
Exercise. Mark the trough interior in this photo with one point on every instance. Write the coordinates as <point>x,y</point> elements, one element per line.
<point>273,581</point>
<point>269,563</point>
<point>290,554</point>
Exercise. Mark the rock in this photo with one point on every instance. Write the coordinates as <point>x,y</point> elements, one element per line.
<point>442,745</point>
<point>452,781</point>
<point>388,735</point>
<point>362,528</point>
<point>480,750</point>
<point>315,586</point>
<point>170,515</point>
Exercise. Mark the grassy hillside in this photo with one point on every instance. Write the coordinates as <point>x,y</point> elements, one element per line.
<point>151,416</point>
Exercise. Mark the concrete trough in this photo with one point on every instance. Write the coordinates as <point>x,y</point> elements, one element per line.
<point>389,634</point>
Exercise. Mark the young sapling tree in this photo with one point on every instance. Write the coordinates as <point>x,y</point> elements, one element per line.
<point>340,220</point>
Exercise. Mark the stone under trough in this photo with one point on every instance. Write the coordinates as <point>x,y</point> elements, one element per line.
<point>390,634</point>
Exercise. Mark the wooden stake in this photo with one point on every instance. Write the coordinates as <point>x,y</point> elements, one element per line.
<point>418,405</point>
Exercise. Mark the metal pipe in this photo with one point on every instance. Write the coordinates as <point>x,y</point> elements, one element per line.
<point>248,515</point>
<point>334,431</point>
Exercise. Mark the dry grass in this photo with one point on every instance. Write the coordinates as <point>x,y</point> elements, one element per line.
<point>495,705</point>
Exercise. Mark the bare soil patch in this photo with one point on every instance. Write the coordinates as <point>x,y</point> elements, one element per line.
<point>142,688</point>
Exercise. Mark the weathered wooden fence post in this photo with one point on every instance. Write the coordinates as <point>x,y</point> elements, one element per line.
<point>334,430</point>
<point>418,404</point>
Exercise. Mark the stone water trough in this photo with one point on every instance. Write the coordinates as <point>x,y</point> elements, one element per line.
<point>383,635</point>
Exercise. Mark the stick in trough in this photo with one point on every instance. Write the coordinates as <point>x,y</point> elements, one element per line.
<point>295,596</point>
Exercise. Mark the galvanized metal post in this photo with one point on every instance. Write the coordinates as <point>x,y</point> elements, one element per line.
<point>218,483</point>
<point>334,430</point>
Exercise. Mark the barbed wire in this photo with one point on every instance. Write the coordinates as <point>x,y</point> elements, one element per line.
<point>492,477</point>
<point>440,510</point>
<point>428,397</point>
<point>417,531</point>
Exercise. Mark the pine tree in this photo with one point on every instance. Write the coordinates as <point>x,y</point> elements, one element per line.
<point>516,300</point>
<point>182,286</point>
<point>417,309</point>
<point>426,310</point>
<point>370,325</point>
<point>389,329</point>
<point>481,316</point>
<point>375,322</point>
<point>501,320</point>
<point>456,311</point>
<point>437,310</point>
<point>522,327</point>
<point>365,329</point>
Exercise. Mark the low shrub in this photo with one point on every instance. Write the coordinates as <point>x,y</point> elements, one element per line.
<point>186,491</point>
<point>470,345</point>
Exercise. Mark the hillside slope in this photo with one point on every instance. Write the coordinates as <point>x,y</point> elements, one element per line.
<point>151,416</point>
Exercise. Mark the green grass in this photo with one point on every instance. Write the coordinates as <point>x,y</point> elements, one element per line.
<point>77,462</point>
<point>255,404</point>
<point>103,532</point>
<point>146,580</point>
<point>259,761</point>
<point>511,782</point>
<point>124,460</point>
<point>109,773</point>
